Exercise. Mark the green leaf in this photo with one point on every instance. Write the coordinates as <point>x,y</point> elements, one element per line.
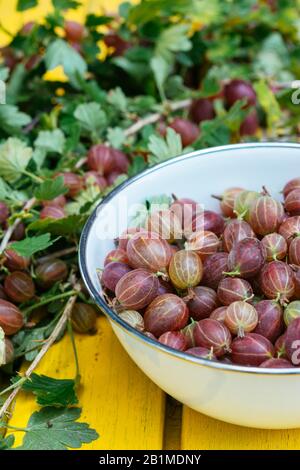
<point>85,201</point>
<point>118,99</point>
<point>4,73</point>
<point>39,156</point>
<point>50,189</point>
<point>137,166</point>
<point>91,117</point>
<point>11,119</point>
<point>6,443</point>
<point>152,204</point>
<point>65,4</point>
<point>70,225</point>
<point>163,148</point>
<point>116,137</point>
<point>269,103</point>
<point>51,141</point>
<point>8,194</point>
<point>213,133</point>
<point>273,58</point>
<point>161,69</point>
<point>60,52</point>
<point>51,392</point>
<point>57,429</point>
<point>173,39</point>
<point>31,245</point>
<point>23,5</point>
<point>14,158</point>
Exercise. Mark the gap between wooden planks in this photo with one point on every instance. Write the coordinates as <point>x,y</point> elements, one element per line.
<point>117,399</point>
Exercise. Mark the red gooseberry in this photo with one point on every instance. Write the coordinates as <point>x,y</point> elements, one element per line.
<point>203,353</point>
<point>270,319</point>
<point>127,234</point>
<point>280,348</point>
<point>11,318</point>
<point>73,182</point>
<point>52,212</point>
<point>211,333</point>
<point>237,90</point>
<point>243,203</point>
<point>234,289</point>
<point>93,178</point>
<point>202,109</point>
<point>204,243</point>
<point>112,273</point>
<point>116,255</point>
<point>214,267</point>
<point>173,339</point>
<point>251,350</point>
<point>277,281</point>
<point>241,318</point>
<point>136,289</point>
<point>265,215</point>
<point>74,31</point>
<point>294,251</point>
<point>50,272</point>
<point>235,231</point>
<point>4,212</point>
<point>166,224</point>
<point>292,202</point>
<point>187,130</point>
<point>290,228</point>
<point>14,261</point>
<point>188,332</point>
<point>19,287</point>
<point>290,186</point>
<point>227,201</point>
<point>209,221</point>
<point>275,246</point>
<point>203,300</point>
<point>246,258</point>
<point>101,159</point>
<point>276,363</point>
<point>219,314</point>
<point>147,251</point>
<point>250,124</point>
<point>167,312</point>
<point>59,201</point>
<point>185,209</point>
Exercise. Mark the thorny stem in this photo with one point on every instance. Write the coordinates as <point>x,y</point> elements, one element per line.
<point>48,343</point>
<point>12,228</point>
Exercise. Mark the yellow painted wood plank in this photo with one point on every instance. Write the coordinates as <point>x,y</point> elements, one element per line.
<point>117,399</point>
<point>201,432</point>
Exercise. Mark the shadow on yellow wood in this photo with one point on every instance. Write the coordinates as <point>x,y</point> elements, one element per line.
<point>117,399</point>
<point>201,432</point>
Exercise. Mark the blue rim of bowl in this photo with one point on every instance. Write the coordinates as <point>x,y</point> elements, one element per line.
<point>129,329</point>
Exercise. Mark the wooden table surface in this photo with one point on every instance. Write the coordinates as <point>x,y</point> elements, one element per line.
<point>125,407</point>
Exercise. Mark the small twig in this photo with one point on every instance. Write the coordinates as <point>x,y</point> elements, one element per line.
<point>150,119</point>
<point>7,236</point>
<point>48,343</point>
<point>57,254</point>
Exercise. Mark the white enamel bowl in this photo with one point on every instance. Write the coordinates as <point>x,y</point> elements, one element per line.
<point>262,398</point>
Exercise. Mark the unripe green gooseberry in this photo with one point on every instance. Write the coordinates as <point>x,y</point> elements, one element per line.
<point>291,312</point>
<point>186,269</point>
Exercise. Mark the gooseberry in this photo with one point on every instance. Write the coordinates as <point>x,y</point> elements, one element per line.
<point>188,332</point>
<point>214,267</point>
<point>203,353</point>
<point>19,287</point>
<point>121,162</point>
<point>276,363</point>
<point>73,182</point>
<point>270,319</point>
<point>127,235</point>
<point>290,228</point>
<point>52,212</point>
<point>246,258</point>
<point>208,221</point>
<point>19,232</point>
<point>187,130</point>
<point>234,289</point>
<point>237,90</point>
<point>93,178</point>
<point>265,215</point>
<point>59,201</point>
<point>173,339</point>
<point>227,201</point>
<point>202,109</point>
<point>280,348</point>
<point>185,210</point>
<point>112,273</point>
<point>294,251</point>
<point>167,312</point>
<point>83,318</point>
<point>101,159</point>
<point>251,350</point>
<point>185,269</point>
<point>241,318</point>
<point>292,342</point>
<point>275,246</point>
<point>165,287</point>
<point>116,255</point>
<point>290,186</point>
<point>243,202</point>
<point>74,31</point>
<point>133,318</point>
<point>277,281</point>
<point>219,314</point>
<point>291,311</point>
<point>4,212</point>
<point>11,318</point>
<point>211,333</point>
<point>292,202</point>
<point>9,351</point>
<point>204,243</point>
<point>50,272</point>
<point>14,261</point>
<point>203,300</point>
<point>147,251</point>
<point>235,231</point>
<point>136,289</point>
<point>250,124</point>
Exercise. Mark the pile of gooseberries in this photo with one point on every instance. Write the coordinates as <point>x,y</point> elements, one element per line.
<point>218,286</point>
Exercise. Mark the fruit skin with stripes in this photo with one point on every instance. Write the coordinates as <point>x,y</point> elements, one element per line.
<point>265,215</point>
<point>235,231</point>
<point>270,319</point>
<point>166,224</point>
<point>275,246</point>
<point>203,301</point>
<point>241,318</point>
<point>167,312</point>
<point>219,314</point>
<point>246,258</point>
<point>277,281</point>
<point>186,269</point>
<point>290,228</point>
<point>146,250</point>
<point>112,273</point>
<point>174,339</point>
<point>214,267</point>
<point>11,318</point>
<point>204,243</point>
<point>290,186</point>
<point>291,312</point>
<point>213,334</point>
<point>294,251</point>
<point>136,289</point>
<point>133,318</point>
<point>292,202</point>
<point>233,289</point>
<point>251,350</point>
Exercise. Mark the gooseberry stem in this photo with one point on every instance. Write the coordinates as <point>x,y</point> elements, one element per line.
<point>14,428</point>
<point>64,295</point>
<point>71,334</point>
